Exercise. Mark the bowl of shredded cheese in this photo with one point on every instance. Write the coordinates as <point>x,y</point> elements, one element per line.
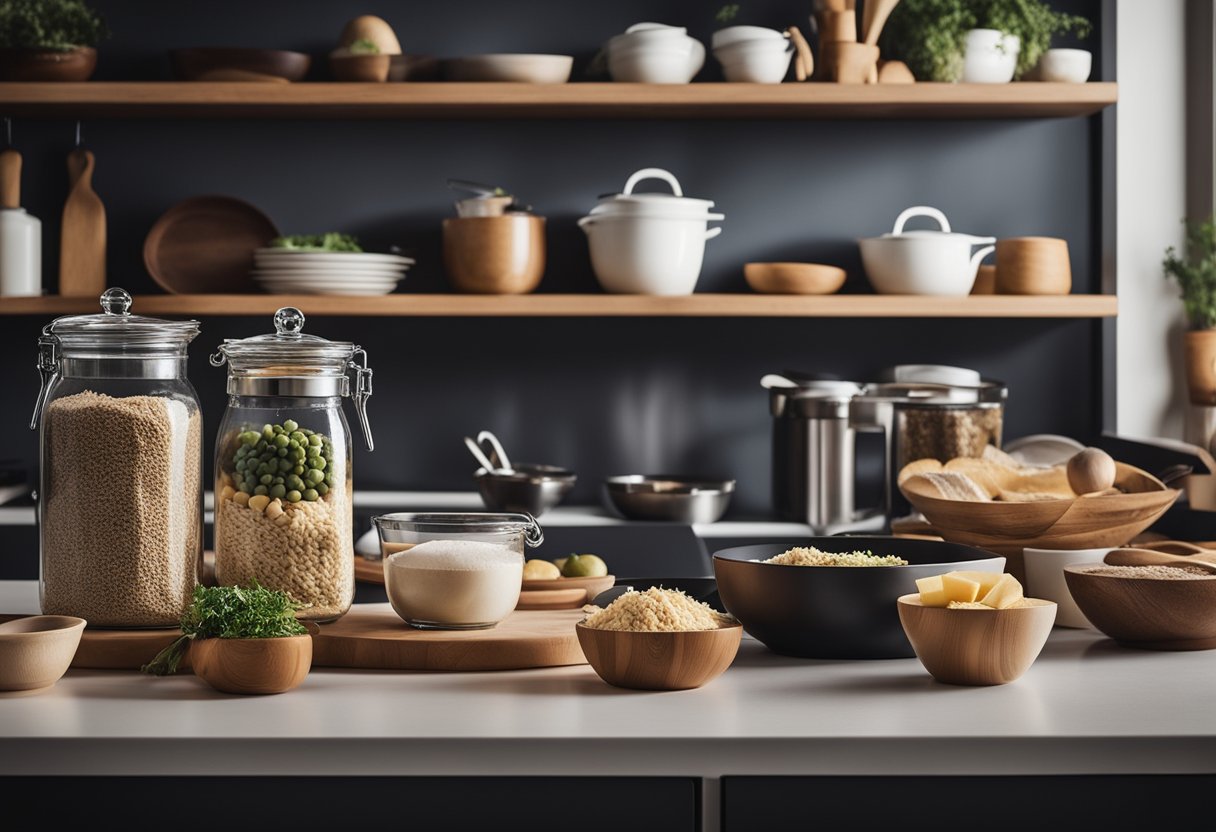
<point>834,597</point>
<point>658,639</point>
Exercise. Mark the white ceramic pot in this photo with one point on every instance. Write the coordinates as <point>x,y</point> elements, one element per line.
<point>990,57</point>
<point>742,34</point>
<point>923,262</point>
<point>1045,579</point>
<point>1065,66</point>
<point>755,61</point>
<point>651,53</point>
<point>650,244</point>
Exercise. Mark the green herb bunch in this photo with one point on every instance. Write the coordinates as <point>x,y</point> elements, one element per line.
<point>61,25</point>
<point>331,241</point>
<point>930,35</point>
<point>230,612</point>
<point>1196,273</point>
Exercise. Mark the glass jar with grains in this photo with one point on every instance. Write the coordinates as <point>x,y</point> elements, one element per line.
<point>120,504</point>
<point>283,508</point>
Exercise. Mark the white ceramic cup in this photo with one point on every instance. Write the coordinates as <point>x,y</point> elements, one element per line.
<point>990,57</point>
<point>1066,66</point>
<point>1045,579</point>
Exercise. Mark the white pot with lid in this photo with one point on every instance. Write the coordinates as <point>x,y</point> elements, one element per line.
<point>651,244</point>
<point>923,262</point>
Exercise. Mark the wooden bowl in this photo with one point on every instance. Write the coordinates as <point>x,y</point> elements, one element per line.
<point>35,651</point>
<point>413,68</point>
<point>794,278</point>
<point>1148,613</point>
<point>494,255</point>
<point>232,64</point>
<point>361,68</point>
<point>1089,522</point>
<point>976,647</point>
<point>516,68</point>
<point>660,661</point>
<point>252,665</point>
<point>47,64</point>
<point>205,244</point>
<point>1033,266</point>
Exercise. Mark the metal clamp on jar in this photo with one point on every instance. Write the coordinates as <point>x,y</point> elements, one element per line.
<point>120,507</point>
<point>283,488</point>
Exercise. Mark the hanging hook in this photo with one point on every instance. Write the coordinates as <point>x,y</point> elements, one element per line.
<point>78,133</point>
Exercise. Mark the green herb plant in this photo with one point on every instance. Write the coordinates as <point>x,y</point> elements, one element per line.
<point>59,25</point>
<point>930,35</point>
<point>727,13</point>
<point>331,241</point>
<point>230,612</point>
<point>1196,273</point>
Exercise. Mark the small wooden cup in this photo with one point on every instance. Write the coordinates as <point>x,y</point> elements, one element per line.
<point>853,63</point>
<point>1033,266</point>
<point>494,255</point>
<point>1200,348</point>
<point>660,661</point>
<point>252,665</point>
<point>985,281</point>
<point>976,647</point>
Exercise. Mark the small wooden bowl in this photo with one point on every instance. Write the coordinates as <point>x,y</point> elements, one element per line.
<point>794,278</point>
<point>252,665</point>
<point>35,651</point>
<point>660,661</point>
<point>224,63</point>
<point>976,647</point>
<point>73,65</point>
<point>494,255</point>
<point>372,69</point>
<point>591,586</point>
<point>1148,613</point>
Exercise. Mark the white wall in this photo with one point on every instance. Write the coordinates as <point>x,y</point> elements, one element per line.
<point>1151,203</point>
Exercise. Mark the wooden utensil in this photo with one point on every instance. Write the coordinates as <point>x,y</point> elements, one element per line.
<point>1033,266</point>
<point>804,63</point>
<point>252,665</point>
<point>10,178</point>
<point>794,278</point>
<point>82,247</point>
<point>874,17</point>
<point>853,63</point>
<point>205,244</point>
<point>836,26</point>
<point>1149,613</point>
<point>977,647</point>
<point>1151,557</point>
<point>660,661</point>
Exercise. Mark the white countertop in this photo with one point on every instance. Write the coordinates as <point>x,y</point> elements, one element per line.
<point>1087,706</point>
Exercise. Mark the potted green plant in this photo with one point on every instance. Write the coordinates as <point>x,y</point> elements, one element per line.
<point>48,40</point>
<point>998,38</point>
<point>1195,274</point>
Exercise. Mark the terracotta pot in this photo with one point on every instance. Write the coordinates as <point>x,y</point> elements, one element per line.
<point>494,255</point>
<point>1201,366</point>
<point>47,64</point>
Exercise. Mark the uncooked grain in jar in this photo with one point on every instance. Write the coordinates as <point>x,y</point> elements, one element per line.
<point>943,433</point>
<point>121,537</point>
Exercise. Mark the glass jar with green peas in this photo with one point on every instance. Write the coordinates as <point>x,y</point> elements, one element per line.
<point>283,512</point>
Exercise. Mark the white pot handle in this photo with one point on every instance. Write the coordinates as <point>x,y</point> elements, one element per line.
<point>654,173</point>
<point>713,232</point>
<point>583,222</point>
<point>921,211</point>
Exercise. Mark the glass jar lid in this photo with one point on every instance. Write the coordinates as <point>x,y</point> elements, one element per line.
<point>117,333</point>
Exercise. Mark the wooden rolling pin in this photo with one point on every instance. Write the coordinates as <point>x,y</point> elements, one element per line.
<point>82,247</point>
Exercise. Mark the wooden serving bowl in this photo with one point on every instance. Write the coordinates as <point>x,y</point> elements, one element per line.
<point>1088,522</point>
<point>224,63</point>
<point>35,651</point>
<point>372,69</point>
<point>252,665</point>
<point>794,278</point>
<point>1148,613</point>
<point>660,661</point>
<point>976,647</point>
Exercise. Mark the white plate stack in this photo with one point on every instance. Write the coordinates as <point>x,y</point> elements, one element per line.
<point>284,271</point>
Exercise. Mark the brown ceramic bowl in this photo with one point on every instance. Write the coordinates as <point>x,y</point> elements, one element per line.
<point>660,661</point>
<point>494,255</point>
<point>794,278</point>
<point>361,68</point>
<point>47,64</point>
<point>413,68</point>
<point>252,665</point>
<point>1149,613</point>
<point>232,64</point>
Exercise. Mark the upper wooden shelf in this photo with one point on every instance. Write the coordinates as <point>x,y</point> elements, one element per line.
<point>705,305</point>
<point>127,99</point>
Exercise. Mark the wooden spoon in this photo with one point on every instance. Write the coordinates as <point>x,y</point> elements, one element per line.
<point>874,17</point>
<point>1148,557</point>
<point>82,248</point>
<point>804,66</point>
<point>10,179</point>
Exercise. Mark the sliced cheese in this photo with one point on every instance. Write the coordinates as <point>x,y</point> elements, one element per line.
<point>1005,594</point>
<point>958,588</point>
<point>986,580</point>
<point>932,591</point>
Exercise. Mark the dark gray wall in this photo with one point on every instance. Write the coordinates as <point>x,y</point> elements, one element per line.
<point>600,396</point>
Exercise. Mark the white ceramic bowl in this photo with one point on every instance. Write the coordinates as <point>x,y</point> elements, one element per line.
<point>754,62</point>
<point>741,34</point>
<point>648,255</point>
<point>1045,579</point>
<point>524,69</point>
<point>990,57</point>
<point>657,65</point>
<point>1066,66</point>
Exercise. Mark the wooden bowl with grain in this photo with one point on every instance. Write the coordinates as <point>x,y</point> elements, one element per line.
<point>660,660</point>
<point>1149,613</point>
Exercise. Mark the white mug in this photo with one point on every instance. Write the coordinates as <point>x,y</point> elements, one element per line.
<point>1045,579</point>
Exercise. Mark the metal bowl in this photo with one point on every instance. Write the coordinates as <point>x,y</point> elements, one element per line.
<point>528,488</point>
<point>670,499</point>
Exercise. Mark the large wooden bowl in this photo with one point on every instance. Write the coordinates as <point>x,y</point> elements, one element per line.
<point>1149,613</point>
<point>252,665</point>
<point>660,661</point>
<point>1089,522</point>
<point>976,647</point>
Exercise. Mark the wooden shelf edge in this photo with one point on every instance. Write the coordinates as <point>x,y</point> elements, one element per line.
<point>740,305</point>
<point>124,99</point>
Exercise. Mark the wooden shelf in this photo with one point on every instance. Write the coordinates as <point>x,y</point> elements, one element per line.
<point>698,305</point>
<point>125,99</point>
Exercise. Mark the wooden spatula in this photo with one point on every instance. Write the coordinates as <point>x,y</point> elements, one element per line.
<point>82,250</point>
<point>874,17</point>
<point>10,179</point>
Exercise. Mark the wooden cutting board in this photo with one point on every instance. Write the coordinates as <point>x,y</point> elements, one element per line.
<point>371,636</point>
<point>82,248</point>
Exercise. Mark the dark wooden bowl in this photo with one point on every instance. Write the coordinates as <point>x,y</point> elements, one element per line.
<point>47,64</point>
<point>232,64</point>
<point>1149,613</point>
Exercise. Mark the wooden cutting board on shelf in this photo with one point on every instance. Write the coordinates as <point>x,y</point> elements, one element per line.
<point>372,637</point>
<point>82,249</point>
